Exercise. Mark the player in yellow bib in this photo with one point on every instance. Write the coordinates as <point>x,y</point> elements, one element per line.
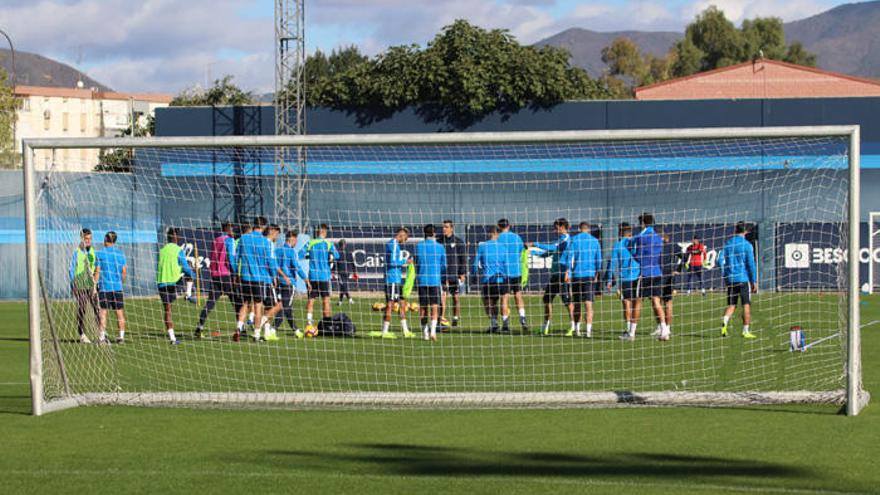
<point>172,266</point>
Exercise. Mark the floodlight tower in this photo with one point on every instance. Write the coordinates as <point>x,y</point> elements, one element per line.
<point>290,102</point>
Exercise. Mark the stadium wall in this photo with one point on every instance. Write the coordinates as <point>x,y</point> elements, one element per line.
<point>140,222</point>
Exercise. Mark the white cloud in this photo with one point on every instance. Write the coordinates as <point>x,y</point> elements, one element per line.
<point>739,10</point>
<point>166,45</point>
<point>145,45</point>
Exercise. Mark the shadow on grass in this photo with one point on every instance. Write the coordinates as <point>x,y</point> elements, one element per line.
<point>15,404</point>
<point>424,460</point>
<point>14,339</point>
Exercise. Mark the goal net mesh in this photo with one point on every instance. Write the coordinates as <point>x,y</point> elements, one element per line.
<point>791,192</point>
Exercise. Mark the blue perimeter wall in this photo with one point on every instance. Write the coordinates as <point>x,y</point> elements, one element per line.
<point>259,120</point>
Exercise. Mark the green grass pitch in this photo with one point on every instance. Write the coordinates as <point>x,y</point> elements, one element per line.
<point>797,449</point>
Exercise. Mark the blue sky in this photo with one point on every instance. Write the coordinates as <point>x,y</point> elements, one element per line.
<point>168,45</point>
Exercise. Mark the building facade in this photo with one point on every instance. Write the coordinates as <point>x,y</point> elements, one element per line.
<point>47,112</point>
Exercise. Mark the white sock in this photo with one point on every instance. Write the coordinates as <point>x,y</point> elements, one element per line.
<point>589,328</point>
<point>433,328</point>
<point>263,320</point>
<point>504,319</point>
<point>573,326</point>
<point>385,325</point>
<point>102,335</point>
<point>189,289</point>
<point>257,333</point>
<point>725,319</point>
<point>633,328</point>
<point>746,328</point>
<point>522,312</point>
<point>577,327</point>
<point>251,316</point>
<point>309,318</point>
<point>239,326</point>
<point>171,335</point>
<point>629,327</point>
<point>546,324</point>
<point>404,326</point>
<point>122,334</point>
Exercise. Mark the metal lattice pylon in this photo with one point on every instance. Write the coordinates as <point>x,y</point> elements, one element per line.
<point>290,98</point>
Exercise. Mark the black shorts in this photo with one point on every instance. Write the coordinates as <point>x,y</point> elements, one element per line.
<point>741,292</point>
<point>111,300</point>
<point>492,290</point>
<point>667,289</point>
<point>630,290</point>
<point>223,286</point>
<point>285,294</point>
<point>254,292</point>
<point>696,269</point>
<point>557,287</point>
<point>429,296</point>
<point>393,292</point>
<point>651,286</point>
<point>319,289</point>
<point>514,285</point>
<point>451,285</point>
<point>168,293</point>
<point>582,290</point>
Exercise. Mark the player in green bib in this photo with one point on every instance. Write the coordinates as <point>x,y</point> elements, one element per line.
<point>83,284</point>
<point>172,266</point>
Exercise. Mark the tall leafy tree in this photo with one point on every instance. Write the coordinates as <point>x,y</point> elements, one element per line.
<point>628,67</point>
<point>9,156</point>
<point>711,41</point>
<point>464,73</point>
<point>223,92</point>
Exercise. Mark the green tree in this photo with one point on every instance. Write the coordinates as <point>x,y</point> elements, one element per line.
<point>628,67</point>
<point>222,92</point>
<point>465,72</point>
<point>711,41</point>
<point>9,156</point>
<point>797,54</point>
<point>121,160</point>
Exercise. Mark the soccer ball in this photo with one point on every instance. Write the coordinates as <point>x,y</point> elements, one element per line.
<point>378,306</point>
<point>413,306</point>
<point>311,331</point>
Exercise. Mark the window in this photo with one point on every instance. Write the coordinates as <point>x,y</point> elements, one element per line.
<point>47,119</point>
<point>82,122</point>
<point>25,104</point>
<point>65,121</point>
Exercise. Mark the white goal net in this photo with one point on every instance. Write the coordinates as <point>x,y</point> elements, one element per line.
<point>706,212</point>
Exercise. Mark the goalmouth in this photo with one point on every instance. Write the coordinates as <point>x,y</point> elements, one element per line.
<point>791,185</point>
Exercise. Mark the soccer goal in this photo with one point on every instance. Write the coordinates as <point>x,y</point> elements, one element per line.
<point>202,225</point>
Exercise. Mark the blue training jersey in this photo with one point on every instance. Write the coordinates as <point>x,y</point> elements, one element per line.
<point>256,258</point>
<point>512,247</point>
<point>555,250</point>
<point>110,261</point>
<point>288,262</point>
<point>737,261</point>
<point>647,248</point>
<point>583,257</point>
<point>430,263</point>
<point>394,262</point>
<point>318,252</point>
<point>623,266</point>
<point>488,264</point>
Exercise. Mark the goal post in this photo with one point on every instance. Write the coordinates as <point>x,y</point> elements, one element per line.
<point>792,186</point>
